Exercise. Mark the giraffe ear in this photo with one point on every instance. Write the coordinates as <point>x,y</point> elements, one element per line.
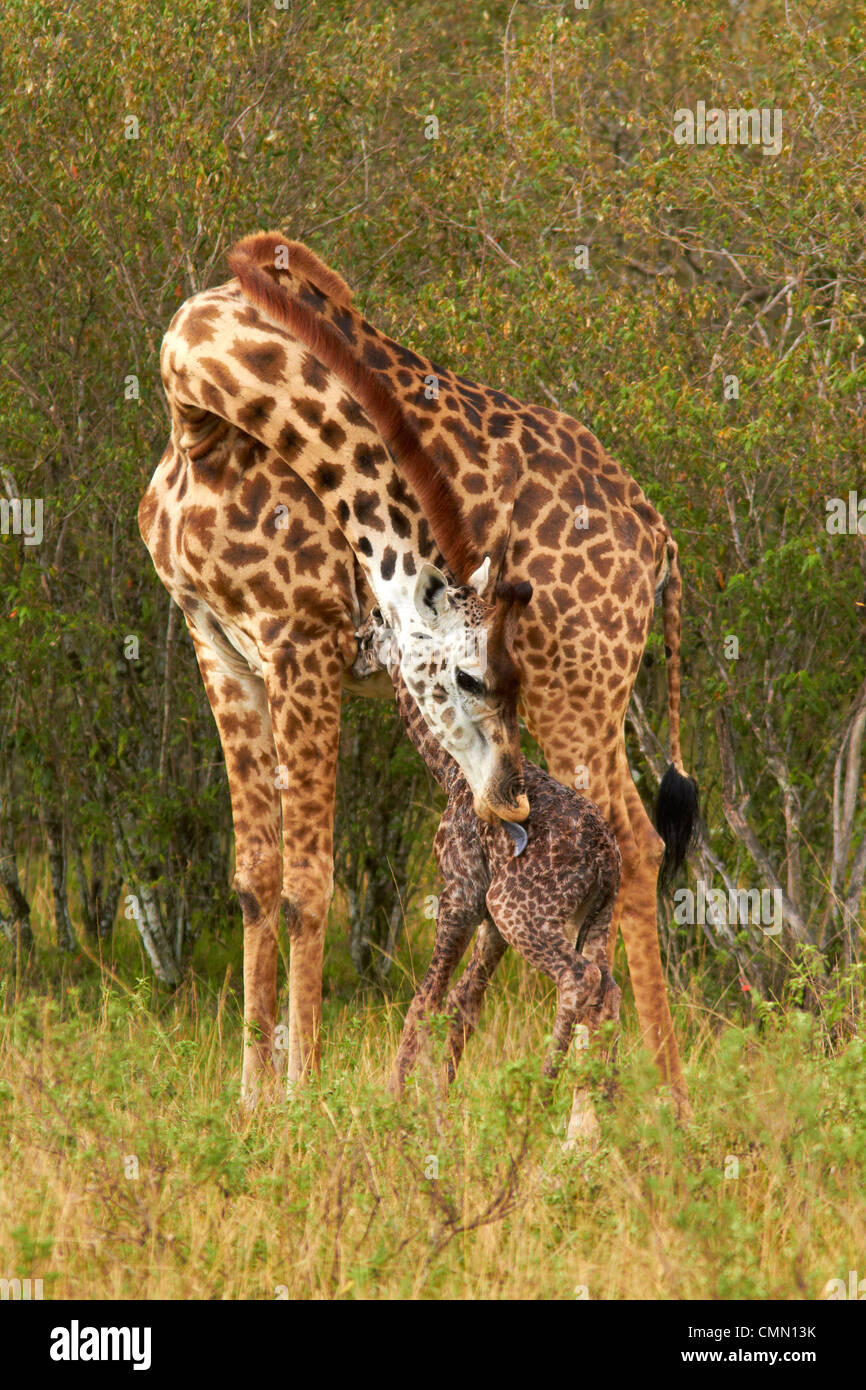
<point>430,593</point>
<point>478,579</point>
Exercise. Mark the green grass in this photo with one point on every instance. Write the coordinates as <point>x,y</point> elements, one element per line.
<point>333,1194</point>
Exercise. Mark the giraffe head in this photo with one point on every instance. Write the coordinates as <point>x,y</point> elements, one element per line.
<point>455,656</point>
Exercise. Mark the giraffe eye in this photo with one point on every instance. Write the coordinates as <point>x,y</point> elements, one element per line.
<point>469,683</point>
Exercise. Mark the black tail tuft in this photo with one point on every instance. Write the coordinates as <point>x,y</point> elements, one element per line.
<point>676,816</point>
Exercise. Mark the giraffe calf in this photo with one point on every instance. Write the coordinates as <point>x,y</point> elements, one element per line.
<point>546,887</point>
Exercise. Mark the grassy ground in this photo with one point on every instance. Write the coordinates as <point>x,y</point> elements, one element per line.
<point>128,1169</point>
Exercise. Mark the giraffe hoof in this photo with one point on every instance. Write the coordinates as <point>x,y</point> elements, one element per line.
<point>583,1126</point>
<point>685,1113</point>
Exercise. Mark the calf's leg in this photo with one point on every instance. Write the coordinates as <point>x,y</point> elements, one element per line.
<point>454,927</point>
<point>464,1001</point>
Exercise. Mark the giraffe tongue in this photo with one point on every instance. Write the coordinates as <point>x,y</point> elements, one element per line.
<point>518,835</point>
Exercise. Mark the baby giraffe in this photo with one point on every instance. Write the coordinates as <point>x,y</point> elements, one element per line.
<point>540,887</point>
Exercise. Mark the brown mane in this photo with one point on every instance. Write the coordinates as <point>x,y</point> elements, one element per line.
<point>260,248</point>
<point>247,261</point>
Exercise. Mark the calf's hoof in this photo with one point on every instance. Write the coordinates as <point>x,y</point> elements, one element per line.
<point>583,1127</point>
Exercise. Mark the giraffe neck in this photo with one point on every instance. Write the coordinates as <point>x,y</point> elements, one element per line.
<point>335,348</point>
<point>441,764</point>
<point>375,512</point>
<point>223,368</point>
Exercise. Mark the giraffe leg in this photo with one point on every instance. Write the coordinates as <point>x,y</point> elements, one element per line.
<point>642,848</point>
<point>464,1001</point>
<point>547,947</point>
<point>578,983</point>
<point>240,709</point>
<point>610,785</point>
<point>303,683</point>
<point>454,928</point>
<point>596,941</point>
<point>595,938</point>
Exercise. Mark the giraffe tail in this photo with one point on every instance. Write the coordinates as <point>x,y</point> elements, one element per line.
<point>676,808</point>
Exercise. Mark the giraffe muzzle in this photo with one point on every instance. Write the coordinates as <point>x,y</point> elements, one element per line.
<point>514,810</point>
<point>495,808</point>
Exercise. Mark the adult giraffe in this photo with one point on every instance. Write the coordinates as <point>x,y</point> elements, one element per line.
<point>315,467</point>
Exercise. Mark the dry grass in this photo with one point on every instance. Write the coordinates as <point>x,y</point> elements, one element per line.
<point>331,1195</point>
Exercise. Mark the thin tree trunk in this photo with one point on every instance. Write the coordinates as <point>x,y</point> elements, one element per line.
<point>57,869</point>
<point>170,633</point>
<point>845,900</point>
<point>735,814</point>
<point>98,901</point>
<point>851,906</point>
<point>107,911</point>
<point>17,927</point>
<point>85,890</point>
<point>147,914</point>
